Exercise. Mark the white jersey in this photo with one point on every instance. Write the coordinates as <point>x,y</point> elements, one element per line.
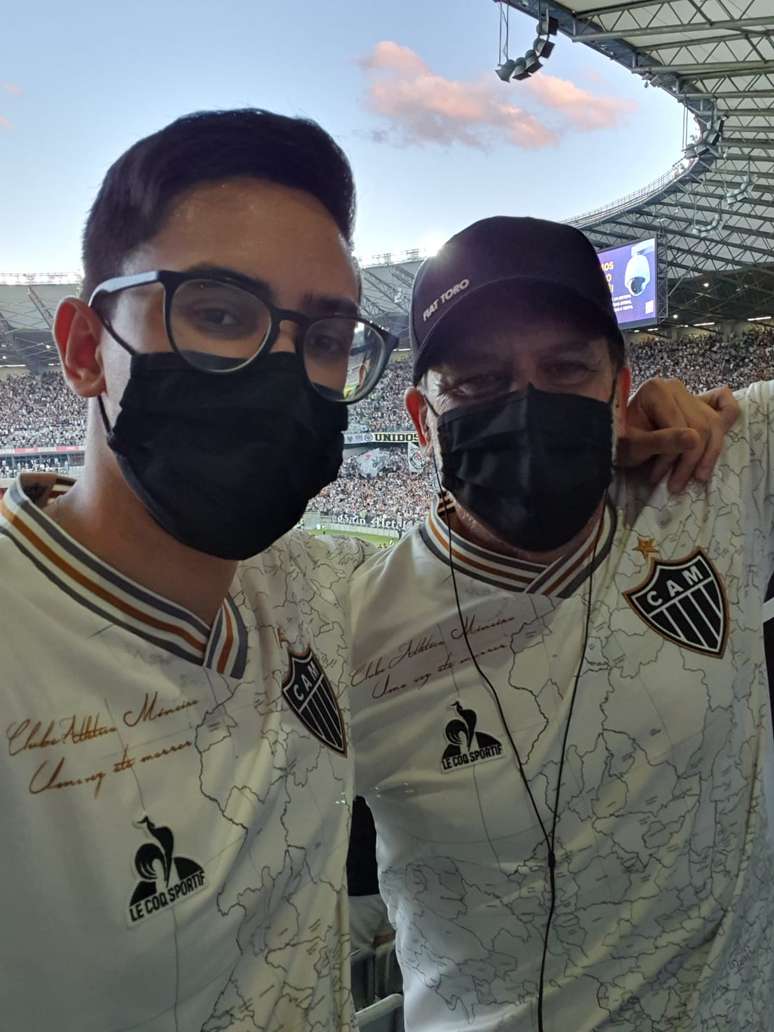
<point>175,798</point>
<point>664,865</point>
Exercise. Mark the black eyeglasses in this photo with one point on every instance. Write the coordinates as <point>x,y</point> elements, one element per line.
<point>220,324</point>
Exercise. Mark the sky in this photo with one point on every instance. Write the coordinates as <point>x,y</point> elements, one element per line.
<point>406,87</point>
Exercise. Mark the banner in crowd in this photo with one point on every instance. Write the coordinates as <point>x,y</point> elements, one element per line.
<point>415,458</point>
<point>360,520</point>
<point>59,450</point>
<point>380,437</point>
<point>372,462</point>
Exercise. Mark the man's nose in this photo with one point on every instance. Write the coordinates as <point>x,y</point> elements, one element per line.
<point>519,380</point>
<point>289,332</point>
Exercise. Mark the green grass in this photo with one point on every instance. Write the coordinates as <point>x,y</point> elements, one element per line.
<point>373,539</point>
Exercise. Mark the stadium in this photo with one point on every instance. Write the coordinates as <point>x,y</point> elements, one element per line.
<point>688,258</point>
<point>709,219</point>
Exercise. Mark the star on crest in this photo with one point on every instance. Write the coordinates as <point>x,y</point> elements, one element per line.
<point>646,547</point>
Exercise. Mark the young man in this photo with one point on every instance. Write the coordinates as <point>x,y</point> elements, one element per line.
<point>177,778</point>
<point>560,706</point>
<point>177,774</point>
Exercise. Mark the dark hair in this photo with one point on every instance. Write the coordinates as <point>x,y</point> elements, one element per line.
<point>139,188</point>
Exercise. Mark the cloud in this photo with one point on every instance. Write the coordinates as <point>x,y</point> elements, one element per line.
<point>583,110</point>
<point>5,123</point>
<point>422,107</point>
<point>419,107</point>
<point>11,87</point>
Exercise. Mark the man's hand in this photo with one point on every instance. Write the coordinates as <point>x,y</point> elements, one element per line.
<point>673,429</point>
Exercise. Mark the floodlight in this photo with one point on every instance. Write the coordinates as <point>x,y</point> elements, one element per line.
<point>548,25</point>
<point>505,70</point>
<point>532,61</point>
<point>520,70</point>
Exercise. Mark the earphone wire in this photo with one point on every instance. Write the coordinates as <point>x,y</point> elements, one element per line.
<point>549,840</point>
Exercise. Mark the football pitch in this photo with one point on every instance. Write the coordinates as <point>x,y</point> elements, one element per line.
<point>373,539</point>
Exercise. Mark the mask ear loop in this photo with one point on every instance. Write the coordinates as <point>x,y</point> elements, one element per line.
<point>108,427</point>
<point>550,840</point>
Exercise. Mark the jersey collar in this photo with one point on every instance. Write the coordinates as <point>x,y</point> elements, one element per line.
<point>560,578</point>
<point>93,583</point>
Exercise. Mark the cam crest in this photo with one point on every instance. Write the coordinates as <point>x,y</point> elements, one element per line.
<point>308,692</point>
<point>684,601</point>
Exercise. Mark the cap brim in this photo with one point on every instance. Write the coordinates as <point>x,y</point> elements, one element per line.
<point>609,329</point>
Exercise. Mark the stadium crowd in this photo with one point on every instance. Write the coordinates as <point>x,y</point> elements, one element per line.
<point>707,360</point>
<point>40,412</point>
<point>394,496</point>
<point>380,489</point>
<point>383,409</point>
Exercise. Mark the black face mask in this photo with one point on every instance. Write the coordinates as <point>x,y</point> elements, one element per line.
<point>225,464</point>
<point>532,466</point>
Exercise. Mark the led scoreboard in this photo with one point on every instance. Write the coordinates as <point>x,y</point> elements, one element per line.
<point>631,272</point>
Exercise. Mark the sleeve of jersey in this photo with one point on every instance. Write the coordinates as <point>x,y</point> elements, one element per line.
<point>750,456</point>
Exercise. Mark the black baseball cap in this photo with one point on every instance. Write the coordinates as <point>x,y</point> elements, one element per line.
<point>527,252</point>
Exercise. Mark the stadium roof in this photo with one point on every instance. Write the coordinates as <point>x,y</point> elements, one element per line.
<point>714,210</point>
<point>26,315</point>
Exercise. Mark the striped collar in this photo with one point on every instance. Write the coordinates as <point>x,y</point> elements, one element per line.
<point>560,578</point>
<point>91,582</point>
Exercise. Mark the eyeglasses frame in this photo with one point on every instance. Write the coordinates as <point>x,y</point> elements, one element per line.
<point>171,281</point>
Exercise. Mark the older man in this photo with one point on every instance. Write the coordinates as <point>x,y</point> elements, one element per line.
<point>560,703</point>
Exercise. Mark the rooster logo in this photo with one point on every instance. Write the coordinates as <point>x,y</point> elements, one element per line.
<point>159,869</point>
<point>466,745</point>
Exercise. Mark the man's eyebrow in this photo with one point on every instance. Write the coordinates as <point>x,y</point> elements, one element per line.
<point>312,304</point>
<point>324,304</point>
<point>223,271</point>
<point>573,346</point>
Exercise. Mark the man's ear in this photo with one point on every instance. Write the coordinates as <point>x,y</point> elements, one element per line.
<point>416,406</point>
<point>623,386</point>
<point>77,333</point>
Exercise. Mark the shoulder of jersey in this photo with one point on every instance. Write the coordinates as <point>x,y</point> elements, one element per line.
<point>377,560</point>
<point>756,403</point>
<point>308,550</point>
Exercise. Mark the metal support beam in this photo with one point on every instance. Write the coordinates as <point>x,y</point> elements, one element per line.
<point>752,112</point>
<point>710,70</point>
<point>742,144</point>
<point>741,25</point>
<point>633,5</point>
<point>379,286</point>
<point>734,94</point>
<point>684,41</point>
<point>41,306</point>
<point>649,223</point>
